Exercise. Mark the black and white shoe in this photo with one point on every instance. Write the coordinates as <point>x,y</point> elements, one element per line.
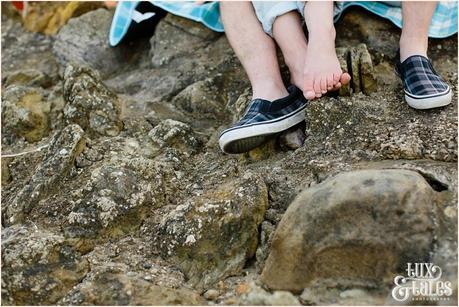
<point>262,120</point>
<point>424,88</point>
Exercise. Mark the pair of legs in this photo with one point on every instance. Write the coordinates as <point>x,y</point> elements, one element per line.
<point>310,65</point>
<point>315,70</point>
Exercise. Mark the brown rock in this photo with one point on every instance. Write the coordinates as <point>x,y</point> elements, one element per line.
<point>354,59</point>
<point>339,230</point>
<point>367,77</point>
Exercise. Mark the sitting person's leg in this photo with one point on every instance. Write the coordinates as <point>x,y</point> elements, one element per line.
<point>321,69</point>
<point>274,108</point>
<point>416,21</point>
<point>424,88</point>
<point>289,35</point>
<point>255,49</point>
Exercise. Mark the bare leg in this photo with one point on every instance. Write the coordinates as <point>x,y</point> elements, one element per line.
<point>417,17</point>
<point>321,69</point>
<point>254,48</point>
<point>289,35</point>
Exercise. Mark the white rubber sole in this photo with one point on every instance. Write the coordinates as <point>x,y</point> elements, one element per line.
<point>424,103</point>
<point>248,137</point>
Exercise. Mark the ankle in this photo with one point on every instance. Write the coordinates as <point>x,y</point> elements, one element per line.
<point>269,90</point>
<point>324,37</point>
<point>412,45</point>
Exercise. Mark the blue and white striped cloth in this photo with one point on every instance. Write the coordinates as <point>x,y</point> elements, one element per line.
<point>444,22</point>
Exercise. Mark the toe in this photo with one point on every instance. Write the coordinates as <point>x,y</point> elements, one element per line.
<point>308,90</point>
<point>330,82</point>
<point>345,78</point>
<point>317,86</point>
<point>336,78</point>
<point>323,84</point>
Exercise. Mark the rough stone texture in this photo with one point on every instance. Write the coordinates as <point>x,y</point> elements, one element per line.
<point>25,114</point>
<point>110,288</point>
<point>339,230</point>
<point>212,235</point>
<point>57,164</point>
<point>182,88</point>
<point>367,76</point>
<point>37,266</point>
<point>171,133</point>
<point>115,200</point>
<point>89,103</point>
<point>358,63</point>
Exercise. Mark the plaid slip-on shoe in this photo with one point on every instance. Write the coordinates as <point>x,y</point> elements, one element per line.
<point>423,86</point>
<point>262,120</point>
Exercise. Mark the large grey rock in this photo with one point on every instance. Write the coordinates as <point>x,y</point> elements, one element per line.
<point>84,41</point>
<point>38,266</point>
<point>23,50</point>
<point>175,37</point>
<point>357,227</point>
<point>212,235</point>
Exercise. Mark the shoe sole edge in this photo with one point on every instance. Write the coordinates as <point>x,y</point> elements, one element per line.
<point>249,137</point>
<point>429,102</point>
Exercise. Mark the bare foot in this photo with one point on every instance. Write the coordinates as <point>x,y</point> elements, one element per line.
<point>322,72</point>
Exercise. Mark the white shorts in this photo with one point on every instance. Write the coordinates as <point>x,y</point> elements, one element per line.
<point>268,11</point>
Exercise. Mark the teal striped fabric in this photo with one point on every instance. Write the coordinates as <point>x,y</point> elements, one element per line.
<point>444,22</point>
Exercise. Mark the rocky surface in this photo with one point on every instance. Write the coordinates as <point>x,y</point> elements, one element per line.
<point>114,190</point>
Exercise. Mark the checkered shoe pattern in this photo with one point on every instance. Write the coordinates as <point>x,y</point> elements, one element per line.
<point>420,78</point>
<point>261,111</point>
